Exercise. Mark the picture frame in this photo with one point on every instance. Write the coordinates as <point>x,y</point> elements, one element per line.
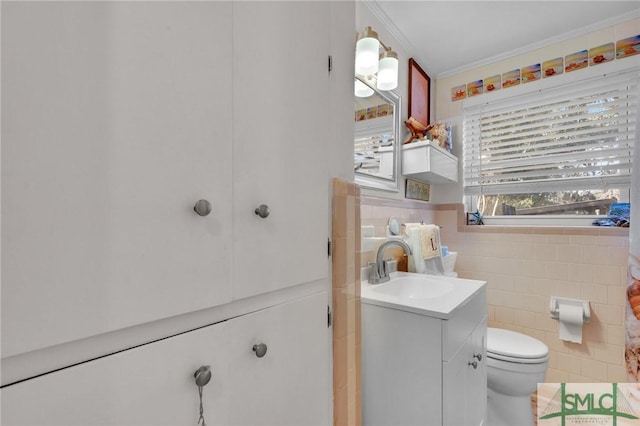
<point>416,190</point>
<point>419,93</point>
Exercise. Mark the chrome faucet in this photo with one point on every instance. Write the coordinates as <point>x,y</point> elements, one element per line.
<point>379,271</point>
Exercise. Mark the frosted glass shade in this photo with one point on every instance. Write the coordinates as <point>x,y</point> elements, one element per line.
<point>388,73</point>
<point>361,90</point>
<point>367,51</point>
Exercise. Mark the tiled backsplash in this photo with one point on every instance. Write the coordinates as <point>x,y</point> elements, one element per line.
<point>524,267</point>
<point>377,211</point>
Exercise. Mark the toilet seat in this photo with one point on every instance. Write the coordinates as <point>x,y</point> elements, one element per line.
<point>509,346</point>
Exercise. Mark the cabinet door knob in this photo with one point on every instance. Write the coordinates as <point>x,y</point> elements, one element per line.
<point>474,364</point>
<point>260,349</point>
<point>203,207</point>
<point>263,210</point>
<point>202,375</point>
<point>479,356</point>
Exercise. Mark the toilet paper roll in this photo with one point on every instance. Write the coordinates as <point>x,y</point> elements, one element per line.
<point>571,321</point>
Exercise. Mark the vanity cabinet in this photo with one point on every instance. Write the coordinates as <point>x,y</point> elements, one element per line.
<point>154,384</point>
<point>419,368</point>
<point>119,117</point>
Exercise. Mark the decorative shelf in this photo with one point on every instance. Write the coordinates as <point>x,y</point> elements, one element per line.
<point>427,162</point>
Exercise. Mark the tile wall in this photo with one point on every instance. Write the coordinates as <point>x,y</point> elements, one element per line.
<point>377,211</point>
<point>524,267</point>
<point>346,303</point>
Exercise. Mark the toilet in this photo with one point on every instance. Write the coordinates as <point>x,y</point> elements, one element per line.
<point>516,363</point>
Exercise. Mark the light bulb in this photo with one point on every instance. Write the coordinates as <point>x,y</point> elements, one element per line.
<point>388,70</point>
<point>361,90</point>
<point>367,51</point>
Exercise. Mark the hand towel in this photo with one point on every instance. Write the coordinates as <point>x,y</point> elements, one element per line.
<point>406,226</point>
<point>430,241</point>
<point>411,224</point>
<point>416,262</point>
<point>434,265</point>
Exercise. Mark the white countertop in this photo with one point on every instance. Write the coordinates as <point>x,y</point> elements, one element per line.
<point>405,292</point>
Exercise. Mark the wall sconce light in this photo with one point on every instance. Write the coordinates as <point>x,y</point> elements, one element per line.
<point>371,61</point>
<point>361,90</point>
<point>367,51</point>
<point>388,70</point>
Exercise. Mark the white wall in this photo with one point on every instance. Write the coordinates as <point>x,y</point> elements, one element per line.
<point>446,109</point>
<point>341,149</point>
<point>366,17</point>
<point>442,108</point>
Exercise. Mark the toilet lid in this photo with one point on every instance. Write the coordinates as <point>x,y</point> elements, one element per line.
<point>507,345</point>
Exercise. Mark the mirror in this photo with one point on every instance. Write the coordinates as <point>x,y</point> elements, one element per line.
<point>376,136</point>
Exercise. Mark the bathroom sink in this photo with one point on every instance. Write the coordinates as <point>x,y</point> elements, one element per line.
<point>414,287</point>
<point>434,295</point>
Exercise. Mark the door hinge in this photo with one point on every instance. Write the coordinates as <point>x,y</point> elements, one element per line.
<point>329,316</point>
<point>329,248</point>
<point>330,63</point>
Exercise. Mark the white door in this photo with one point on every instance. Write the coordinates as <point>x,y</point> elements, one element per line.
<point>477,388</point>
<point>455,386</point>
<point>153,384</point>
<point>289,384</point>
<point>116,120</point>
<point>280,132</point>
<point>465,381</point>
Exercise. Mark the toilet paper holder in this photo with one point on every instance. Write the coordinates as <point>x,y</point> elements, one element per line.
<point>555,307</point>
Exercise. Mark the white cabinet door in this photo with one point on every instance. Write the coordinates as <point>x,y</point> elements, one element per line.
<point>465,381</point>
<point>401,367</point>
<point>149,385</point>
<point>477,379</point>
<point>116,119</point>
<point>280,134</point>
<point>455,386</point>
<point>290,384</point>
<point>154,384</point>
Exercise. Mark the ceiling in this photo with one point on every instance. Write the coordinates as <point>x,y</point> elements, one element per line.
<point>450,36</point>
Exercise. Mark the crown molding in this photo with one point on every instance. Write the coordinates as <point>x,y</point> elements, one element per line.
<point>411,50</point>
<point>543,43</point>
<point>395,32</point>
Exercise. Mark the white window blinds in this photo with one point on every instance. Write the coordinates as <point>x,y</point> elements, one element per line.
<point>573,137</point>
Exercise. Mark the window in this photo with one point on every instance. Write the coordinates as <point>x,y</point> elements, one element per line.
<point>564,148</point>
